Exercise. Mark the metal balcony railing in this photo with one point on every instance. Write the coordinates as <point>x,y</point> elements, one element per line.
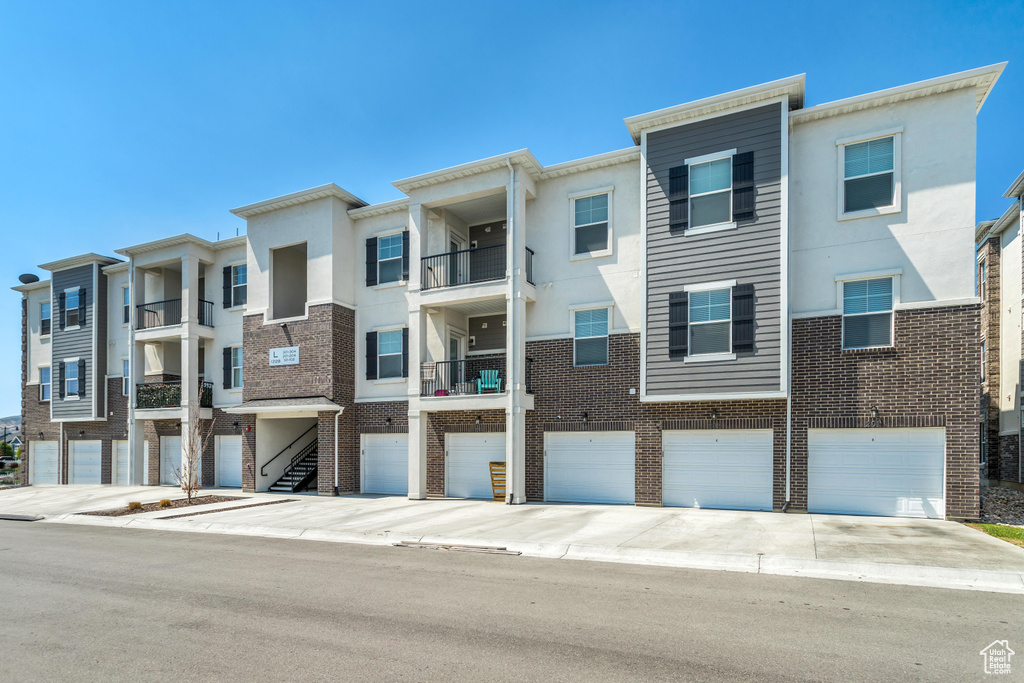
<point>529,265</point>
<point>168,395</point>
<point>464,267</point>
<point>470,376</point>
<point>168,312</point>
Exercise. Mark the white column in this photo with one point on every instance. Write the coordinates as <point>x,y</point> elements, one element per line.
<point>190,289</point>
<point>417,455</point>
<point>515,343</point>
<point>136,431</point>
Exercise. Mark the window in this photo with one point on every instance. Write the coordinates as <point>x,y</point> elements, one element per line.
<point>239,280</point>
<point>711,192</point>
<point>389,354</point>
<point>710,321</point>
<point>867,313</point>
<point>124,377</point>
<point>44,318</point>
<point>982,360</point>
<point>869,175</point>
<point>44,384</point>
<point>71,379</point>
<point>389,258</point>
<point>71,303</point>
<point>590,224</point>
<point>590,344</point>
<point>236,367</point>
<point>982,275</point>
<point>126,306</point>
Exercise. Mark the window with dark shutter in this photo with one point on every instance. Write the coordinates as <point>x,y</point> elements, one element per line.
<point>743,318</point>
<point>405,352</point>
<point>227,367</point>
<point>62,374</point>
<point>81,374</point>
<point>61,305</point>
<point>371,353</point>
<point>81,306</point>
<point>678,314</point>
<point>678,193</point>
<point>227,286</point>
<point>405,255</point>
<point>743,187</point>
<point>371,262</point>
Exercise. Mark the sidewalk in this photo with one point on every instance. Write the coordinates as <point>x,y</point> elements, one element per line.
<point>887,550</point>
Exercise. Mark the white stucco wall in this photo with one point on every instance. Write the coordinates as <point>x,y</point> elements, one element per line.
<point>1009,328</point>
<point>38,348</point>
<point>227,325</point>
<point>931,239</point>
<point>117,331</point>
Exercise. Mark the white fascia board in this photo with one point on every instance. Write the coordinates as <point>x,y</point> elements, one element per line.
<point>1016,188</point>
<point>689,398</point>
<point>76,261</point>
<point>300,197</point>
<point>32,286</point>
<point>521,156</point>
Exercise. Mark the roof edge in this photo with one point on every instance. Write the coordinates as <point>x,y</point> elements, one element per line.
<point>300,197</point>
<point>79,260</point>
<point>1016,188</point>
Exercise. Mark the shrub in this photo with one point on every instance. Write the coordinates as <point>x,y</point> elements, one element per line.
<point>165,503</point>
<point>134,505</point>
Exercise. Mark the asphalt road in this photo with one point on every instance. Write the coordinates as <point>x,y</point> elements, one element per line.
<point>89,603</point>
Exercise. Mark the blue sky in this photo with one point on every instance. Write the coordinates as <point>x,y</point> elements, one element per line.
<point>124,122</point>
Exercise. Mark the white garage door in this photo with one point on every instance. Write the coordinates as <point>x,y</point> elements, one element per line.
<point>170,459</point>
<point>121,460</point>
<point>43,462</point>
<point>229,461</point>
<point>590,467</point>
<point>467,473</point>
<point>886,472</point>
<point>717,468</point>
<point>86,459</point>
<point>386,463</point>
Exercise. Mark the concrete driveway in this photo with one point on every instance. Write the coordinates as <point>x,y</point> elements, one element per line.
<point>838,546</point>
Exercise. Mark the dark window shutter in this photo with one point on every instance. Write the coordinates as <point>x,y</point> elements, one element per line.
<point>60,315</point>
<point>227,367</point>
<point>227,286</point>
<point>60,374</point>
<point>678,194</point>
<point>371,355</point>
<point>405,352</point>
<point>81,377</point>
<point>678,316</point>
<point>743,318</point>
<point>371,262</point>
<point>405,255</point>
<point>743,187</point>
<point>81,306</point>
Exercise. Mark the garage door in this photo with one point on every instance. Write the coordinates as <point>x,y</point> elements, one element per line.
<point>86,462</point>
<point>717,468</point>
<point>121,460</point>
<point>887,472</point>
<point>590,467</point>
<point>229,461</point>
<point>170,459</point>
<point>43,462</point>
<point>467,474</point>
<point>386,463</point>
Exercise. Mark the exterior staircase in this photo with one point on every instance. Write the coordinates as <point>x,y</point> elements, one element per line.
<point>300,473</point>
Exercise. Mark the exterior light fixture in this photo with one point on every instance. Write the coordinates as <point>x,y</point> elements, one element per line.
<point>714,413</point>
<point>81,433</point>
<point>387,421</point>
<point>478,419</point>
<point>40,436</point>
<point>585,416</point>
<point>874,412</point>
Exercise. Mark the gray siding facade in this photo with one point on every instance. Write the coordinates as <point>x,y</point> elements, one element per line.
<point>73,343</point>
<point>749,254</point>
<point>491,338</point>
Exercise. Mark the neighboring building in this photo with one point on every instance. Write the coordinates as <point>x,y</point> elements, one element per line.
<point>999,284</point>
<point>756,306</point>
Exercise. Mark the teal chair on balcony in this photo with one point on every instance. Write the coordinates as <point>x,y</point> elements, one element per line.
<point>488,380</point>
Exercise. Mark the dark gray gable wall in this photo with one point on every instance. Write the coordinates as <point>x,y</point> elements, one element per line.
<point>76,343</point>
<point>748,254</point>
<point>490,338</point>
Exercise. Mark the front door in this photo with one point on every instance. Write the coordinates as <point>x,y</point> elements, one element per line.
<point>458,261</point>
<point>456,355</point>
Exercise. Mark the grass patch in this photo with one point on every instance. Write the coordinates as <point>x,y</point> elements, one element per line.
<point>1010,534</point>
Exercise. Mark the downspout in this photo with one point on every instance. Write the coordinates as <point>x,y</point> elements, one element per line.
<point>132,474</point>
<point>789,321</point>
<point>60,449</point>
<point>337,417</point>
<point>511,355</point>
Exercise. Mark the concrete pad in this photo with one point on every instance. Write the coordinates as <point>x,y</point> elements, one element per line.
<point>51,500</point>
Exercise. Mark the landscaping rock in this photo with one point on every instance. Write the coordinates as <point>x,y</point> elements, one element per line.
<point>1002,506</point>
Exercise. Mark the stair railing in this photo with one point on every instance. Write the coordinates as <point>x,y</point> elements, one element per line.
<point>263,472</point>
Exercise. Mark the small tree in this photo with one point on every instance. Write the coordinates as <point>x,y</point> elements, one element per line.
<point>6,450</point>
<point>187,476</point>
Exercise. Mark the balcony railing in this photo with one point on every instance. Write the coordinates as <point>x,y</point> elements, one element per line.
<point>168,395</point>
<point>529,265</point>
<point>466,377</point>
<point>168,312</point>
<point>464,267</point>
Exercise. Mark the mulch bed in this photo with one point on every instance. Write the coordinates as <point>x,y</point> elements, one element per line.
<point>232,509</point>
<point>153,507</point>
<point>4,487</point>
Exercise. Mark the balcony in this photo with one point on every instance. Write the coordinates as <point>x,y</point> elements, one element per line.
<point>155,395</point>
<point>466,377</point>
<point>168,313</point>
<point>469,266</point>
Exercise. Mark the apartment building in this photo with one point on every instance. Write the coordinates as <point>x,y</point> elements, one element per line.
<point>999,277</point>
<point>756,305</point>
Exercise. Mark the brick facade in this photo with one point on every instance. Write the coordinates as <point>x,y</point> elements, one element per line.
<point>928,378</point>
<point>990,291</point>
<point>446,422</point>
<point>1009,457</point>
